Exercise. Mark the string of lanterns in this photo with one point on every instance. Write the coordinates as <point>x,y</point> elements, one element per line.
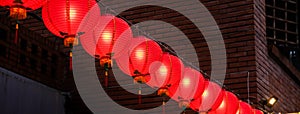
<point>146,63</point>
<point>142,58</point>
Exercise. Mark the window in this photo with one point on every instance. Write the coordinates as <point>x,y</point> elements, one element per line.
<point>282,25</point>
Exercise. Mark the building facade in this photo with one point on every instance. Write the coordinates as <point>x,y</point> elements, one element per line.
<point>261,39</point>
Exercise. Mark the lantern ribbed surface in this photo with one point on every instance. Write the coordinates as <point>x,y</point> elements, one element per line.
<point>229,105</point>
<point>104,33</point>
<point>65,16</point>
<point>210,99</point>
<point>143,55</point>
<point>138,57</point>
<point>32,4</point>
<point>244,108</point>
<point>190,87</point>
<point>108,33</point>
<point>255,111</point>
<point>166,74</point>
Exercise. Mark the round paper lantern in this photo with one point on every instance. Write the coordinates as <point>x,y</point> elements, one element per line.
<point>107,34</point>
<point>244,108</point>
<point>210,99</point>
<point>18,8</point>
<point>255,111</point>
<point>191,86</point>
<point>166,73</point>
<point>100,40</point>
<point>229,105</point>
<point>63,17</point>
<point>140,55</point>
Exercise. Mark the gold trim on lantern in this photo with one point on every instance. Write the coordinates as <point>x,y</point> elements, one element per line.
<point>184,104</point>
<point>70,41</point>
<point>163,91</point>
<point>18,12</point>
<point>106,60</point>
<point>139,79</point>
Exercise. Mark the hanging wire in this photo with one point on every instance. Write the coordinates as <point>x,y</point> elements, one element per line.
<point>142,32</point>
<point>139,32</point>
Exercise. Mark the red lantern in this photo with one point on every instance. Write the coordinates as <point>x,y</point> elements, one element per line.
<point>138,58</point>
<point>229,105</point>
<point>244,108</point>
<point>62,17</point>
<point>140,55</point>
<point>190,87</point>
<point>210,99</point>
<point>255,111</point>
<point>100,40</point>
<point>165,74</point>
<point>107,35</point>
<point>18,8</point>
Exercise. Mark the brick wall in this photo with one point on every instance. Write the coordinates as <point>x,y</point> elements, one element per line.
<point>242,25</point>
<point>272,79</point>
<point>236,21</point>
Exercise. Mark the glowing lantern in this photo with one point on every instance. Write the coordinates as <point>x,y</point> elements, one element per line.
<point>18,8</point>
<point>255,111</point>
<point>210,99</point>
<point>141,54</point>
<point>229,105</point>
<point>107,35</point>
<point>138,57</point>
<point>190,87</point>
<point>165,74</point>
<point>62,17</point>
<point>100,40</point>
<point>244,108</point>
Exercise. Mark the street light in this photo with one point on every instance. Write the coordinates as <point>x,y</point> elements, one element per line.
<point>270,102</point>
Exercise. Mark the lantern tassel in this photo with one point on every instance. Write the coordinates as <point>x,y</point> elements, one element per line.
<point>163,107</point>
<point>106,68</point>
<point>106,78</point>
<point>184,109</point>
<point>70,61</point>
<point>140,95</point>
<point>16,34</point>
